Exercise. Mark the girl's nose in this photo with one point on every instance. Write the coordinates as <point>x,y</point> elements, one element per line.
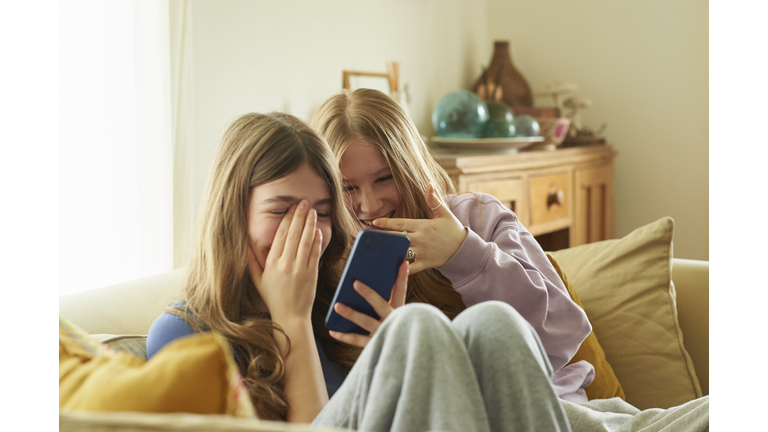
<point>367,202</point>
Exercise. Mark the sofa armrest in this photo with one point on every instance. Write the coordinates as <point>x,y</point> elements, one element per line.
<point>86,421</point>
<point>691,280</point>
<point>127,308</point>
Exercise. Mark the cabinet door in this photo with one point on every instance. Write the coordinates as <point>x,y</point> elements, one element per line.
<point>511,192</point>
<point>593,215</point>
<point>550,198</point>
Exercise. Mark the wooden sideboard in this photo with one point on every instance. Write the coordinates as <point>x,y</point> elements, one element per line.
<point>563,197</point>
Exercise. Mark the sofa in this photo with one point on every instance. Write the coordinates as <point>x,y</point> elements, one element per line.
<point>649,312</point>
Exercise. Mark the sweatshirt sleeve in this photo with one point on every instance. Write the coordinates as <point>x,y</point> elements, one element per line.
<point>500,260</point>
<point>166,328</point>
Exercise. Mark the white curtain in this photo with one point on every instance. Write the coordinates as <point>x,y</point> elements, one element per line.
<point>116,142</point>
<point>181,96</point>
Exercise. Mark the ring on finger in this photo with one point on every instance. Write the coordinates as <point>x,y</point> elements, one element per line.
<point>410,255</point>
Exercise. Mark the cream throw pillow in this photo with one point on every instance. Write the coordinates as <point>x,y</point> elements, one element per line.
<point>626,289</point>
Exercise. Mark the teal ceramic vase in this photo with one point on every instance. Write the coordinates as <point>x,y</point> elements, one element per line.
<point>500,121</point>
<point>460,114</point>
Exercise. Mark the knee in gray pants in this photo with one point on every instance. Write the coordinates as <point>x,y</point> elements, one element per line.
<point>416,320</point>
<point>497,325</point>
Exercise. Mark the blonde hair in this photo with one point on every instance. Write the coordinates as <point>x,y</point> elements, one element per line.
<point>374,118</point>
<point>254,150</point>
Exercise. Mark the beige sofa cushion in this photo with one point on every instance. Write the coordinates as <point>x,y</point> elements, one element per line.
<point>626,290</point>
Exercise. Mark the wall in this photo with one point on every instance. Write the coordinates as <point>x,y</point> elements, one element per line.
<point>645,65</point>
<point>289,56</point>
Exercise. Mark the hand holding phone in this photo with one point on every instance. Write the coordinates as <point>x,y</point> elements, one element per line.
<point>382,307</point>
<point>376,263</point>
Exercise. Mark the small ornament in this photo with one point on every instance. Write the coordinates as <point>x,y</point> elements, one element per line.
<point>500,121</point>
<point>556,89</point>
<point>526,125</point>
<point>576,104</point>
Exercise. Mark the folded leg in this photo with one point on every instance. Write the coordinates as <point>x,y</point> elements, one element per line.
<point>414,375</point>
<point>512,369</point>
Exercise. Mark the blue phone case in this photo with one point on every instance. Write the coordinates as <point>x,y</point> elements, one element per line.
<point>376,257</point>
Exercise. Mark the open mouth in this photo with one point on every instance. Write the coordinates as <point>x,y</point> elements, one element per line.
<point>368,224</point>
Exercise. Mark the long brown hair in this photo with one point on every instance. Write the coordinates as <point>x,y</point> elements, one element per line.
<point>374,118</point>
<point>254,150</point>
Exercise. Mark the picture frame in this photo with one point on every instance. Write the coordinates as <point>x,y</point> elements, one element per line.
<point>374,80</point>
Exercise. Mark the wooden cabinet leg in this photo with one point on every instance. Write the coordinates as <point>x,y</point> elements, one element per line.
<point>593,217</point>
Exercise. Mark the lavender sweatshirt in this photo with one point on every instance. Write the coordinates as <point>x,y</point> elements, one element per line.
<point>500,260</point>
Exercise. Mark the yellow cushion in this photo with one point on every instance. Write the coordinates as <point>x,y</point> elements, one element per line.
<point>626,290</point>
<point>194,374</point>
<point>605,385</point>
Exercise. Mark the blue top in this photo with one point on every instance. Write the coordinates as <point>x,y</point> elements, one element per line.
<point>168,327</point>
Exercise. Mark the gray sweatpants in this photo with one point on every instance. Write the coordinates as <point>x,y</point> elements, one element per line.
<point>484,371</point>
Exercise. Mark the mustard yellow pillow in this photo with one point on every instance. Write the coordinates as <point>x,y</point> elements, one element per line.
<point>626,290</point>
<point>605,385</point>
<point>195,374</point>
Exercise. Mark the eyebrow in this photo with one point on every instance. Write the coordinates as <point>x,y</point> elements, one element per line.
<point>288,199</point>
<point>375,174</point>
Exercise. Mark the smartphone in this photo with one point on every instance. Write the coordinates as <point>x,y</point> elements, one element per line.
<point>375,259</point>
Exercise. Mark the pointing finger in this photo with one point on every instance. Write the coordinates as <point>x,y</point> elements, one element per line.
<point>433,201</point>
<point>397,224</point>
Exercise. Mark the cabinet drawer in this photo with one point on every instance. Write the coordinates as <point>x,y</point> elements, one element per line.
<point>550,198</point>
<point>511,192</point>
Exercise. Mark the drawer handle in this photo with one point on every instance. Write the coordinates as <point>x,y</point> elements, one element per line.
<point>554,197</point>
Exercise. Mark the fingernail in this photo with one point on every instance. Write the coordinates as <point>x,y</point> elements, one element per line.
<point>303,204</point>
<point>312,213</point>
<point>375,222</point>
<point>340,307</point>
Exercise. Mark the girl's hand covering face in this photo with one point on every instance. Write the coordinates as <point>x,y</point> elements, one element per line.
<point>436,240</point>
<point>382,307</point>
<point>288,281</point>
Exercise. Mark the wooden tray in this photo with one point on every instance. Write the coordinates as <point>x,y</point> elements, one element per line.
<point>509,144</point>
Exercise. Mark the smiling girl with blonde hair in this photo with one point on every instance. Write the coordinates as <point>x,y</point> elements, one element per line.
<point>468,248</point>
<point>470,251</point>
